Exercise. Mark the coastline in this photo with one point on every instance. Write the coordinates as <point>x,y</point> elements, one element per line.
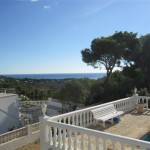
<point>57,76</point>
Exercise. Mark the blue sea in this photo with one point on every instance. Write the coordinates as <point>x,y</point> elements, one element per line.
<point>58,76</point>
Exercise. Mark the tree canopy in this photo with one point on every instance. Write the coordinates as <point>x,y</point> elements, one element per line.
<point>111,51</point>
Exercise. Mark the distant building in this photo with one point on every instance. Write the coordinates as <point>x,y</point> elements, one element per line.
<point>9,112</point>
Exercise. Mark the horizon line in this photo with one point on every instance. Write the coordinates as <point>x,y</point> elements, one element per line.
<point>52,73</point>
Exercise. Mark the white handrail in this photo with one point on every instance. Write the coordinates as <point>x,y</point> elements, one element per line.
<point>98,134</point>
<point>90,108</point>
<point>85,118</point>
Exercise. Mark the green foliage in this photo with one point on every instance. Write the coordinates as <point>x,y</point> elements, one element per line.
<point>104,51</point>
<point>140,70</point>
<point>119,85</point>
<point>110,51</point>
<point>144,62</point>
<point>76,91</point>
<point>34,89</point>
<point>143,92</point>
<point>96,94</point>
<point>131,46</point>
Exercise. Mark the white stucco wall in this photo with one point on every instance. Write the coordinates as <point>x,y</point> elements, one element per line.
<point>9,112</point>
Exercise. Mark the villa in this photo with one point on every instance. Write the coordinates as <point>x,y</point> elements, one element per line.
<point>9,112</point>
<point>120,125</point>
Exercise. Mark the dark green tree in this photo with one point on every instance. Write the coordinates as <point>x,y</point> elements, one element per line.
<point>131,46</point>
<point>71,94</point>
<point>144,61</point>
<point>111,51</point>
<point>103,52</point>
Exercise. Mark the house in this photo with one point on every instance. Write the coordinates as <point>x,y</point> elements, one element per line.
<point>9,112</point>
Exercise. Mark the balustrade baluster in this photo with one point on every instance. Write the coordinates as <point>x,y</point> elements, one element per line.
<point>64,120</point>
<point>50,135</point>
<point>90,118</point>
<point>84,121</point>
<point>81,119</point>
<point>55,136</point>
<point>133,148</point>
<point>82,142</point>
<point>114,145</point>
<point>70,140</point>
<point>76,119</point>
<point>68,119</point>
<point>97,143</point>
<point>146,104</point>
<point>75,141</point>
<point>89,143</point>
<point>104,144</point>
<point>87,118</point>
<point>64,139</point>
<point>73,120</point>
<point>122,146</point>
<point>59,138</point>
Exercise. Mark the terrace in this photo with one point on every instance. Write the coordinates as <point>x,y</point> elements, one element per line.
<point>76,130</point>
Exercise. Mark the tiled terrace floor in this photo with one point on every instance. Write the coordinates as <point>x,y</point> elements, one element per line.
<point>133,125</point>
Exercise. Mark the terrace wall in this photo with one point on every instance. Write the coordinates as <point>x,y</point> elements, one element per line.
<point>20,137</point>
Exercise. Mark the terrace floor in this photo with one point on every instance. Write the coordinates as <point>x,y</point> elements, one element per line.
<point>132,124</point>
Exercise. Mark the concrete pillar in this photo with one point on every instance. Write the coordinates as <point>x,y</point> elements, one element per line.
<point>44,132</point>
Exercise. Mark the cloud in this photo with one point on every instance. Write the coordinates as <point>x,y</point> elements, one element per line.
<point>34,0</point>
<point>97,8</point>
<point>51,5</point>
<point>46,7</point>
<point>28,1</point>
<point>56,3</point>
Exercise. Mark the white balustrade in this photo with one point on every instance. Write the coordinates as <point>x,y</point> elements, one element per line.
<point>144,99</point>
<point>85,118</point>
<point>78,134</point>
<point>67,131</point>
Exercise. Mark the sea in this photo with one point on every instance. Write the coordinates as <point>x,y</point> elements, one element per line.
<point>58,76</point>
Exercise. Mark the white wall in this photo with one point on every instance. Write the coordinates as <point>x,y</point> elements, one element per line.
<point>9,112</point>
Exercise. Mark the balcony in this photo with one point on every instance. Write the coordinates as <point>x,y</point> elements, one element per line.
<point>78,131</point>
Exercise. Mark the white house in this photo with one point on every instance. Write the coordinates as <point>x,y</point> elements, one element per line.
<point>9,112</point>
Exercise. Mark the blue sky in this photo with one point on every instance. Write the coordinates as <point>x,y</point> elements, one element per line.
<point>47,36</point>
